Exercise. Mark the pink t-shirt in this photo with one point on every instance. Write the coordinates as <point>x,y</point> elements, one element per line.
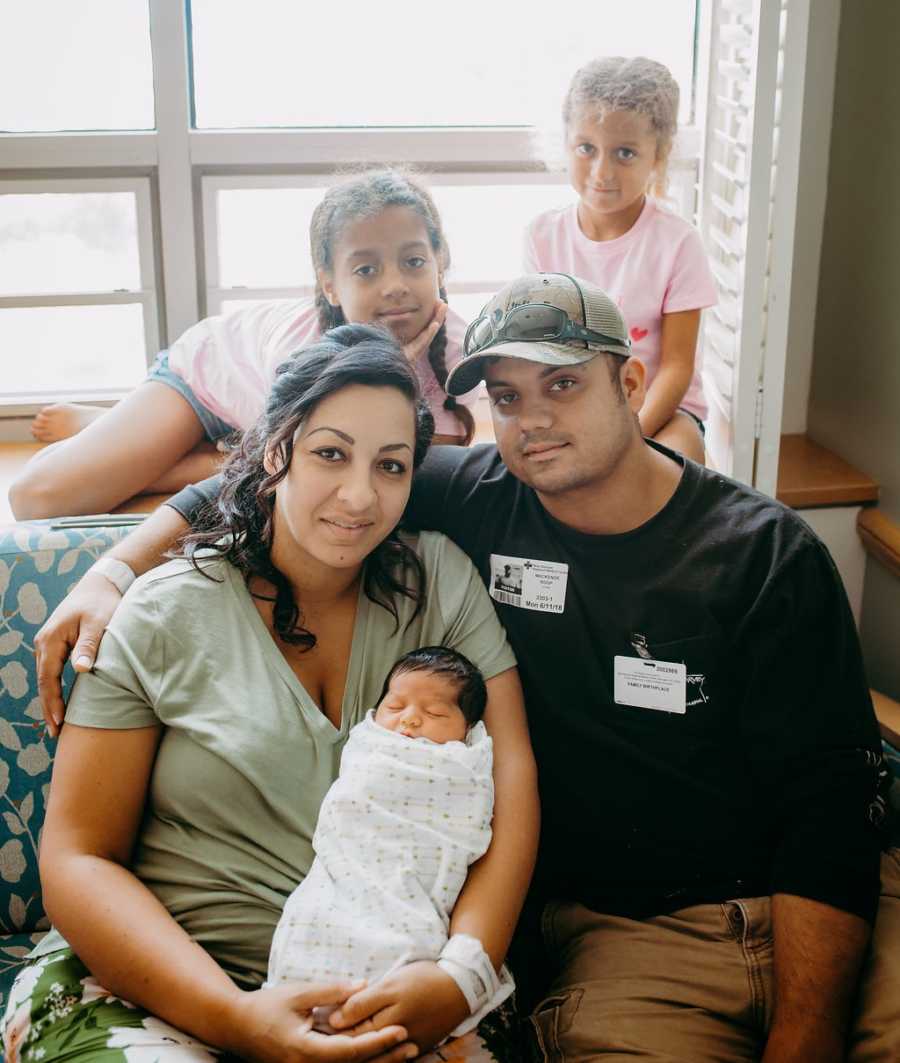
<point>658,267</point>
<point>229,360</point>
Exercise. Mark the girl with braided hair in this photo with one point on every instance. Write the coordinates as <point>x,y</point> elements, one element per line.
<point>380,208</point>
<point>380,256</point>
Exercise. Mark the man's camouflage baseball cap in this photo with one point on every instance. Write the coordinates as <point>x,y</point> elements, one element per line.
<point>550,318</point>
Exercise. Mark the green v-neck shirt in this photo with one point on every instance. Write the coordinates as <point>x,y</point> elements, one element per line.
<point>247,756</point>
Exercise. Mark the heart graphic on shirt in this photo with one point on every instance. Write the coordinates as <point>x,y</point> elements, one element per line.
<point>637,334</point>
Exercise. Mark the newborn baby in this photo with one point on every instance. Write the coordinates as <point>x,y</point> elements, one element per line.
<point>409,812</point>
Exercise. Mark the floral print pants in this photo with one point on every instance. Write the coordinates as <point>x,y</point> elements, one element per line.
<point>58,1011</point>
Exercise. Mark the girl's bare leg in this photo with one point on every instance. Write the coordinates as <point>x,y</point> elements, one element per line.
<point>682,434</point>
<point>115,457</point>
<point>64,420</point>
<point>203,461</point>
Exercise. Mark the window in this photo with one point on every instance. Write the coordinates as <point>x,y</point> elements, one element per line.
<point>58,69</point>
<point>143,183</point>
<point>367,65</point>
<point>76,290</point>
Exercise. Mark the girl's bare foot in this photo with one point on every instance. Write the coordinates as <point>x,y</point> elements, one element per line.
<point>63,420</point>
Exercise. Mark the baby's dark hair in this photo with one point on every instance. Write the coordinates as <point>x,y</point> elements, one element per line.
<point>363,195</point>
<point>440,660</point>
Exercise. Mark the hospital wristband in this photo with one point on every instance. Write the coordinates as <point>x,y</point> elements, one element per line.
<point>120,575</point>
<point>464,959</point>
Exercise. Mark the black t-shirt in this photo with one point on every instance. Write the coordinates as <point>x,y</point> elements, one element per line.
<point>767,776</point>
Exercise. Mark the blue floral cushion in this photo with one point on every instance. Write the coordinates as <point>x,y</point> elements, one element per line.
<point>39,563</point>
<point>14,949</point>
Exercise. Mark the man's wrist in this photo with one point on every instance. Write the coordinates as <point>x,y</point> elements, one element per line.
<point>801,1041</point>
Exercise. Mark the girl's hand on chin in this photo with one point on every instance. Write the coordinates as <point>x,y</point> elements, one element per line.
<point>419,344</point>
<point>275,1026</point>
<point>421,997</point>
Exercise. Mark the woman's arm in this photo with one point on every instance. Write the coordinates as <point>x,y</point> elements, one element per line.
<point>489,904</point>
<point>421,996</point>
<point>128,939</point>
<point>113,922</point>
<point>677,353</point>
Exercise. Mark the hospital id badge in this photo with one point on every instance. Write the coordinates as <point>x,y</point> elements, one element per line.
<point>528,583</point>
<point>643,684</point>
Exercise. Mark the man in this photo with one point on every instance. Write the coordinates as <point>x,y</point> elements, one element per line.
<point>711,778</point>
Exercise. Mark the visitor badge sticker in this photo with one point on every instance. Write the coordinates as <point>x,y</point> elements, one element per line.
<point>650,684</point>
<point>529,584</point>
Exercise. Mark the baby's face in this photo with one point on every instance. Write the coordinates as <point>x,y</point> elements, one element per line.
<point>422,705</point>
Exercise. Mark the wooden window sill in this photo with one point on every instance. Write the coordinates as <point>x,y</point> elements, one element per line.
<point>810,475</point>
<point>881,538</point>
<point>888,712</point>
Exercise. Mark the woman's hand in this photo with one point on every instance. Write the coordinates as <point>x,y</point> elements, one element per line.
<point>78,621</point>
<point>275,1026</point>
<point>419,344</point>
<point>420,997</point>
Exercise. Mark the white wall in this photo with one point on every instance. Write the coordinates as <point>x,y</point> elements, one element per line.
<point>822,46</point>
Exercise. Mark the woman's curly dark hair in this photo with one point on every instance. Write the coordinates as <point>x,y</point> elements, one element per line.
<point>239,525</point>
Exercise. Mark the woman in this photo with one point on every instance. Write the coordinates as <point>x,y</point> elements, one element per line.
<point>221,697</point>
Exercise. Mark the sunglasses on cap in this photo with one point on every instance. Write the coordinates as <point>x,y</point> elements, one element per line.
<point>533,323</point>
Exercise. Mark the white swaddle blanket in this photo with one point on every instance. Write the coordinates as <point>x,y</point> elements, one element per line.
<point>396,834</point>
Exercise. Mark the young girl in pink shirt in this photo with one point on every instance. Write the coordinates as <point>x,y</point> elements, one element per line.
<point>620,117</point>
<point>380,255</point>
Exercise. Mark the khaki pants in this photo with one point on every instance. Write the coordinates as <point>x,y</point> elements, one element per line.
<point>696,985</point>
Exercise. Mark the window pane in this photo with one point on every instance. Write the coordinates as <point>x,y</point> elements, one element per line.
<point>363,64</point>
<point>71,348</point>
<point>75,64</point>
<point>68,242</point>
<point>264,236</point>
<point>485,225</point>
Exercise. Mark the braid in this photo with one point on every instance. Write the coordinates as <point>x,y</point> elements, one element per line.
<point>437,361</point>
<point>329,316</point>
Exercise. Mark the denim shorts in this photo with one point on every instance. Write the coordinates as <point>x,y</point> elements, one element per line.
<point>214,427</point>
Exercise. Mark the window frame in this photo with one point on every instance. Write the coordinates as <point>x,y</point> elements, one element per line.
<point>13,402</point>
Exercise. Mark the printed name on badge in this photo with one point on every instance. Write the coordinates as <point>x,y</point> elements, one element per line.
<point>647,684</point>
<point>529,584</point>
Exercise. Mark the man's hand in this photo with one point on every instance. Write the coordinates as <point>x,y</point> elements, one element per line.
<point>275,1026</point>
<point>818,955</point>
<point>77,625</point>
<point>78,622</point>
<point>419,344</point>
<point>788,1043</point>
<point>419,996</point>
